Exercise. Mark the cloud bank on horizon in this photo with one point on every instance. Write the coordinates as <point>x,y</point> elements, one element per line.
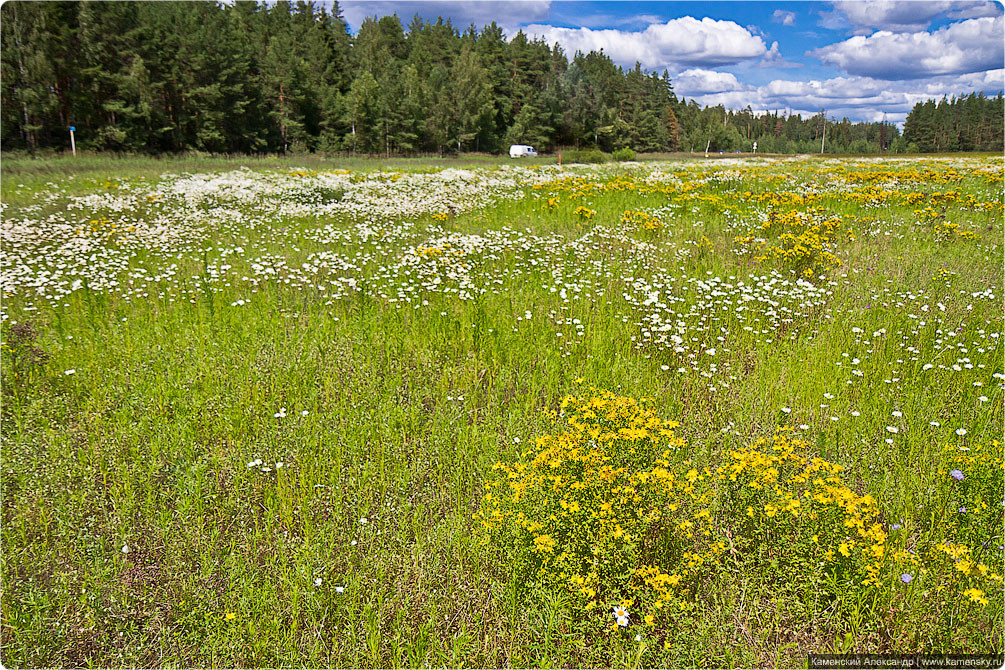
<point>861,59</point>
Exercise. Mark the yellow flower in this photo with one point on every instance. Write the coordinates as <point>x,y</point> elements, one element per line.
<point>976,595</point>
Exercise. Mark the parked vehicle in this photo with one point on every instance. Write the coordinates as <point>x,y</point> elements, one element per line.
<point>521,150</point>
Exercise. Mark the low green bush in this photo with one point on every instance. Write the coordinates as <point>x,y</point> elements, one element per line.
<point>585,156</point>
<point>624,154</point>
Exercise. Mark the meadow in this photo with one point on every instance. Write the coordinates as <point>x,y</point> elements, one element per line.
<point>691,413</point>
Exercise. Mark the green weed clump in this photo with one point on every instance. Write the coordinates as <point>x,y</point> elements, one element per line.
<point>622,155</point>
<point>594,156</point>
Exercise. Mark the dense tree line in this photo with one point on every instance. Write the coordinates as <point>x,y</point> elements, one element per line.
<point>968,123</point>
<point>250,77</point>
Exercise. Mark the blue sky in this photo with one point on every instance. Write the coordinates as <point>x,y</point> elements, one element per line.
<point>864,59</point>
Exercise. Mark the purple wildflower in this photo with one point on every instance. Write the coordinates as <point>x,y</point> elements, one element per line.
<point>957,475</point>
<point>906,578</point>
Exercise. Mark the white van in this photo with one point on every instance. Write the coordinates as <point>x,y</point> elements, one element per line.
<point>521,150</point>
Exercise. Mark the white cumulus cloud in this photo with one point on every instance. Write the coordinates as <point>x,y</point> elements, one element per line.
<point>858,98</point>
<point>784,17</point>
<point>685,41</point>
<point>968,46</point>
<point>909,15</point>
<point>697,81</point>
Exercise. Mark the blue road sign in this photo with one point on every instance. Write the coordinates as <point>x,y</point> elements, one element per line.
<point>72,128</point>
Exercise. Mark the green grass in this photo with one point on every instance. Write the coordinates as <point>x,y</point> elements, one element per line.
<point>397,411</point>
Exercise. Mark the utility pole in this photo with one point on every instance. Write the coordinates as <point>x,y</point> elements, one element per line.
<point>824,136</point>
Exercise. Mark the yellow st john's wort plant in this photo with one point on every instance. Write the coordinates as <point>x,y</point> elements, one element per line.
<point>604,509</point>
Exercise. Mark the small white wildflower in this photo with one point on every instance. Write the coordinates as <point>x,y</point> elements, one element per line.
<point>621,614</point>
<point>71,371</point>
<point>961,431</point>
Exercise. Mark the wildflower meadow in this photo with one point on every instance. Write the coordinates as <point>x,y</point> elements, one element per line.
<point>699,413</point>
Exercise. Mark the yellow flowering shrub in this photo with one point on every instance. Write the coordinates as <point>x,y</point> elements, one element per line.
<point>643,220</point>
<point>948,231</point>
<point>802,240</point>
<point>603,508</point>
<point>794,511</point>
